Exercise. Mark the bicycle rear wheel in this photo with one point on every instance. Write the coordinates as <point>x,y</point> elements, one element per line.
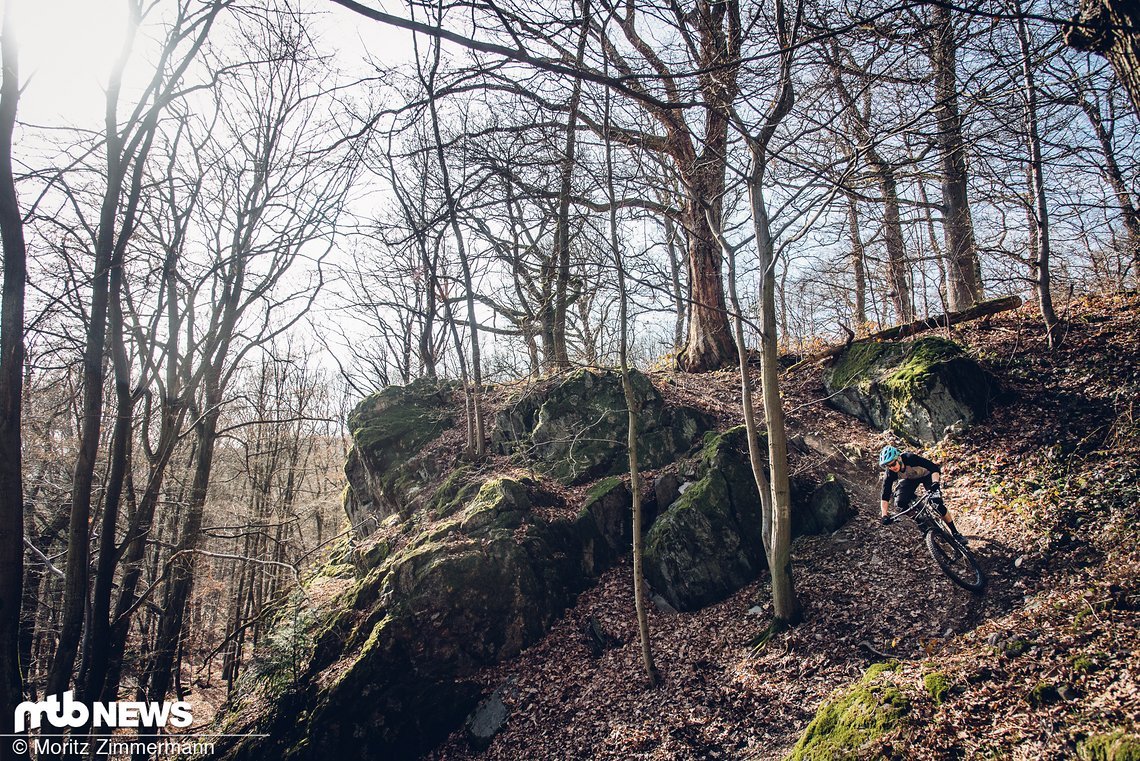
<point>956,561</point>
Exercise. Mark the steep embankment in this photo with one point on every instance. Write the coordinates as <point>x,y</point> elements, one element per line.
<point>1044,665</point>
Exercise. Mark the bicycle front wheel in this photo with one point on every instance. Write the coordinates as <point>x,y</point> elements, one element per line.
<point>956,561</point>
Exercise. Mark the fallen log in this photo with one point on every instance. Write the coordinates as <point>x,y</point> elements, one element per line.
<point>983,309</point>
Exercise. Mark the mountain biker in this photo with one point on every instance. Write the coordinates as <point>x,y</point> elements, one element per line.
<point>910,470</point>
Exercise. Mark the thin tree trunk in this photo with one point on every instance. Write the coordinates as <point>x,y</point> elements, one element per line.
<point>1129,213</point>
<point>633,410</point>
<point>159,671</point>
<point>561,358</point>
<point>675,283</point>
<point>1042,275</point>
<point>479,433</point>
<point>97,636</point>
<point>11,399</point>
<point>884,174</point>
<point>778,539</point>
<point>858,263</point>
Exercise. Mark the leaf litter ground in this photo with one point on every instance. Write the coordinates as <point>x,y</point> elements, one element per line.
<point>1047,489</point>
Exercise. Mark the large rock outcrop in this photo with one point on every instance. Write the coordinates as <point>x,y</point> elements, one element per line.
<point>575,430</point>
<point>391,669</point>
<point>920,389</point>
<point>456,568</point>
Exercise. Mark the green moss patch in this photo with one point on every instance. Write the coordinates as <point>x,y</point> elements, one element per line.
<point>853,718</point>
<point>937,686</point>
<point>1043,693</point>
<point>1115,746</point>
<point>601,489</point>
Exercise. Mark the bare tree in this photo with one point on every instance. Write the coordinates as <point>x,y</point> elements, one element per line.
<point>11,396</point>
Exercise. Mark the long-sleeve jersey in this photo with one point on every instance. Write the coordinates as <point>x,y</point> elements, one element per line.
<point>914,467</point>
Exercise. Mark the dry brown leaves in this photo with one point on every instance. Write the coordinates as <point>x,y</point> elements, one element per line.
<point>1043,488</point>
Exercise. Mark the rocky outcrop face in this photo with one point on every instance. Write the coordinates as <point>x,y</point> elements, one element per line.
<point>575,430</point>
<point>396,662</point>
<point>454,570</point>
<point>389,429</point>
<point>921,389</point>
<point>707,543</point>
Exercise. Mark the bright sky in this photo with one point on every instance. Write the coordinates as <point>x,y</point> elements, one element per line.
<point>67,48</point>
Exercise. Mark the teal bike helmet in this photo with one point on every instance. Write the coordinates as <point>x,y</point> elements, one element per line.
<point>888,455</point>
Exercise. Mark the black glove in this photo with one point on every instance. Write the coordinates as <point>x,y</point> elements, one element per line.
<point>936,488</point>
<point>887,520</point>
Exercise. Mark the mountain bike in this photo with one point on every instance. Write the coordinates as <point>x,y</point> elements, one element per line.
<point>951,555</point>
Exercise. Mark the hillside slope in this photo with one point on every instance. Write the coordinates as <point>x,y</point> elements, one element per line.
<point>1045,665</point>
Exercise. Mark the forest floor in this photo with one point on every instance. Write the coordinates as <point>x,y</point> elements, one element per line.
<point>1047,489</point>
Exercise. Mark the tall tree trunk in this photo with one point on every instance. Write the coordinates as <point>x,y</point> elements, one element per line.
<point>858,263</point>
<point>963,270</point>
<point>78,549</point>
<point>159,671</point>
<point>561,358</point>
<point>709,345</point>
<point>11,399</point>
<point>1111,28</point>
<point>633,409</point>
<point>1042,275</point>
<point>898,275</point>
<point>898,269</point>
<point>479,444</point>
<point>97,638</point>
<point>778,537</point>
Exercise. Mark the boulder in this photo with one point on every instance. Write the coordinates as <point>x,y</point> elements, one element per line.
<point>397,663</point>
<point>389,430</point>
<point>826,509</point>
<point>574,429</point>
<point>920,389</point>
<point>488,719</point>
<point>707,544</point>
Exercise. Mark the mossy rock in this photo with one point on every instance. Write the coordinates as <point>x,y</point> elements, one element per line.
<point>575,430</point>
<point>392,668</point>
<point>1113,746</point>
<point>921,389</point>
<point>853,718</point>
<point>389,429</point>
<point>707,544</point>
<point>826,509</point>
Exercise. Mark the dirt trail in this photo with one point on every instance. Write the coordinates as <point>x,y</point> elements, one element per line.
<point>1046,490</point>
<point>868,593</point>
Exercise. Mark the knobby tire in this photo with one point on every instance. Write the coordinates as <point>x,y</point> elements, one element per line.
<point>957,562</point>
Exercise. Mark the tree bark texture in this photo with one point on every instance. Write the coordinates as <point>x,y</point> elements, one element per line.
<point>963,270</point>
<point>1042,277</point>
<point>1111,28</point>
<point>858,263</point>
<point>11,399</point>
